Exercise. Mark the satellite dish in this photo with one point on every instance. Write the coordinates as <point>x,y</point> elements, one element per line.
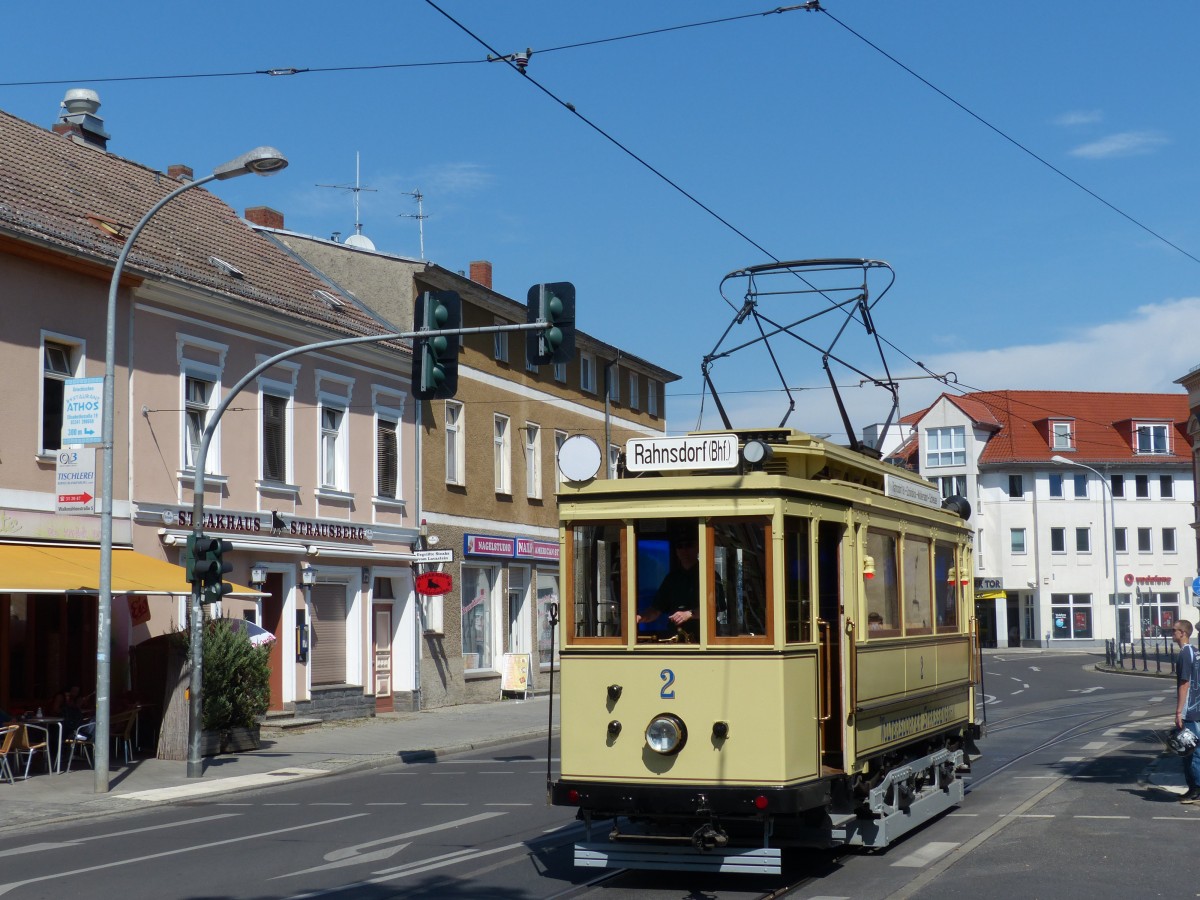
<point>579,458</point>
<point>361,241</point>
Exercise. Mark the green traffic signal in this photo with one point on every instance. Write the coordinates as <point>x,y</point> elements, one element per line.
<point>553,306</point>
<point>206,566</point>
<point>435,358</point>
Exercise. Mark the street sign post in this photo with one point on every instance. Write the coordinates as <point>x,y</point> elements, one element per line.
<point>83,409</point>
<point>75,480</point>
<point>428,556</point>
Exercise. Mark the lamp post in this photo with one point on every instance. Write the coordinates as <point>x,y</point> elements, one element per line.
<point>260,161</point>
<point>1110,538</point>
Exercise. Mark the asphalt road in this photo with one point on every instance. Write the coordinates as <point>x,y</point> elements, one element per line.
<point>1054,809</point>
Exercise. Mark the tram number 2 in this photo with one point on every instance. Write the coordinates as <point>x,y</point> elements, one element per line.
<point>668,680</point>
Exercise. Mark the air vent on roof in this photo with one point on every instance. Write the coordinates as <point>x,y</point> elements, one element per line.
<point>226,268</point>
<point>330,300</point>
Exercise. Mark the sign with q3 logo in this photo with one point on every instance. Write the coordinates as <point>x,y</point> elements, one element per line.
<point>75,480</point>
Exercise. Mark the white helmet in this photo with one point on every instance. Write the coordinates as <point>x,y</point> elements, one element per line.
<point>1182,741</point>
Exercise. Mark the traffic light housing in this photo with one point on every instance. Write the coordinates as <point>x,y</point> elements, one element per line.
<point>207,566</point>
<point>435,359</point>
<point>554,305</point>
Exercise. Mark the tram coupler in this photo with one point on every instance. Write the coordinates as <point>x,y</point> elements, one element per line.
<point>709,837</point>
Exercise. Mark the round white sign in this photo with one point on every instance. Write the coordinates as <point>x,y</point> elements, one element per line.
<point>579,458</point>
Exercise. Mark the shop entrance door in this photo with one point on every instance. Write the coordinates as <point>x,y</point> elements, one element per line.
<point>381,638</point>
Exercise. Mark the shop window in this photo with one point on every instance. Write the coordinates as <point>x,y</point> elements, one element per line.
<point>478,616</point>
<point>1071,616</point>
<point>547,600</point>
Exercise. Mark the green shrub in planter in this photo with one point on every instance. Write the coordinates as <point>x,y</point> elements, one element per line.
<point>237,678</point>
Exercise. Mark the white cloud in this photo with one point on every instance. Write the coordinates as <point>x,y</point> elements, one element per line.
<point>1079,117</point>
<point>1126,143</point>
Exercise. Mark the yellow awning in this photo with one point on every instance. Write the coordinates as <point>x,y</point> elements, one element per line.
<point>36,569</point>
<point>990,595</point>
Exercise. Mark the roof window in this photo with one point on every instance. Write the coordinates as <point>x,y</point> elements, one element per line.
<point>226,268</point>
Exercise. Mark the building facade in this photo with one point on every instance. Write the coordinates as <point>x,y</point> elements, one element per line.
<point>311,473</point>
<point>1082,507</point>
<point>489,473</point>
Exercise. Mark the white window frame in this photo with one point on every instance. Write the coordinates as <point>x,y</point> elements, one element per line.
<point>1121,540</point>
<point>560,438</point>
<point>1080,485</point>
<point>211,378</point>
<point>533,460</point>
<point>946,446</point>
<point>75,364</point>
<point>388,406</point>
<point>1058,535</point>
<point>456,430</point>
<point>1015,536</point>
<point>1062,436</point>
<point>502,453</point>
<point>1055,478</point>
<point>391,427</point>
<point>1150,431</point>
<point>614,457</point>
<point>278,392</point>
<point>1147,533</point>
<point>1169,542</point>
<point>652,397</point>
<point>560,372</point>
<point>333,437</point>
<point>587,373</point>
<point>613,376</point>
<point>500,342</point>
<point>1166,487</point>
<point>1083,536</point>
<point>634,399</point>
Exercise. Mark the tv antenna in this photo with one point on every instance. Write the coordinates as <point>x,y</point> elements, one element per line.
<point>419,215</point>
<point>358,239</point>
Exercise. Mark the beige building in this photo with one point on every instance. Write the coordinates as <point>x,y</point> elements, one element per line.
<point>489,474</point>
<point>311,473</point>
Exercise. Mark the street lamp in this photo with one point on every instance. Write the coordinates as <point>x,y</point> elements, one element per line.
<point>1109,539</point>
<point>260,161</point>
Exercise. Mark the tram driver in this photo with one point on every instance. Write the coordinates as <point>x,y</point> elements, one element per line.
<point>678,595</point>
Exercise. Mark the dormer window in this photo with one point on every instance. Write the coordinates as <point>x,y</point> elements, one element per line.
<point>1062,436</point>
<point>1149,438</point>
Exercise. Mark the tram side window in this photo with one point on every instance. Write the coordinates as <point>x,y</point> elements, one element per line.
<point>796,596</point>
<point>918,606</point>
<point>668,579</point>
<point>596,559</point>
<point>883,590</point>
<point>945,586</point>
<point>740,564</point>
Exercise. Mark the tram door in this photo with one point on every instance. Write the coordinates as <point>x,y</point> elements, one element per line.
<point>830,630</point>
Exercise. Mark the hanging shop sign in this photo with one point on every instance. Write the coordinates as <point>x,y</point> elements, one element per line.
<point>433,584</point>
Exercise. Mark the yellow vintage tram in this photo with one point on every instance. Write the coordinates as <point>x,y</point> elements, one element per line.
<point>815,688</point>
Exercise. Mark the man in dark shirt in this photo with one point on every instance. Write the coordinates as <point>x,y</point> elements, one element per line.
<point>678,596</point>
<point>1187,704</point>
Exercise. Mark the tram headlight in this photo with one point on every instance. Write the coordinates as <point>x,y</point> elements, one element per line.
<point>666,734</point>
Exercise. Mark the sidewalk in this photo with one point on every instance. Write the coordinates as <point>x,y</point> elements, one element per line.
<point>284,756</point>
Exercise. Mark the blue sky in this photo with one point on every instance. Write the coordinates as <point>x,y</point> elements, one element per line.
<point>791,127</point>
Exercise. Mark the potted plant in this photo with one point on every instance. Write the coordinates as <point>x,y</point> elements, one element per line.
<point>236,690</point>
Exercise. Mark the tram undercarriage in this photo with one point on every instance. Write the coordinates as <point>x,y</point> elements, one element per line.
<point>720,834</point>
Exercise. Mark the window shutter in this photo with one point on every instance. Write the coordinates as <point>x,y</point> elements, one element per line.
<point>386,459</point>
<point>328,659</point>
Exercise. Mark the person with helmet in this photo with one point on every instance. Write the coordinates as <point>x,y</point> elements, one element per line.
<point>1187,708</point>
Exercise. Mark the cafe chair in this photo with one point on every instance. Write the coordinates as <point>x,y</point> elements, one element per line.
<point>122,730</point>
<point>8,737</point>
<point>28,745</point>
<point>82,740</point>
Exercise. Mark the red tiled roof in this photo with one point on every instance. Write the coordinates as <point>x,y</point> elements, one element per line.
<point>1102,424</point>
<point>73,197</point>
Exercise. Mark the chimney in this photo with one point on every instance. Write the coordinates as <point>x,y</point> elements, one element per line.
<point>264,216</point>
<point>481,273</point>
<point>78,119</point>
<point>180,172</point>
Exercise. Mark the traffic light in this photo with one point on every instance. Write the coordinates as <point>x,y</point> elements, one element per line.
<point>435,359</point>
<point>554,305</point>
<point>206,565</point>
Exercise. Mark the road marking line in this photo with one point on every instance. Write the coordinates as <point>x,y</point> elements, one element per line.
<point>240,839</point>
<point>1101,817</point>
<point>1136,713</point>
<point>59,845</point>
<point>388,803</point>
<point>508,804</point>
<point>443,804</point>
<point>1032,777</point>
<point>1026,816</point>
<point>1095,745</point>
<point>330,803</point>
<point>927,854</point>
<point>1177,818</point>
<point>1072,759</point>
